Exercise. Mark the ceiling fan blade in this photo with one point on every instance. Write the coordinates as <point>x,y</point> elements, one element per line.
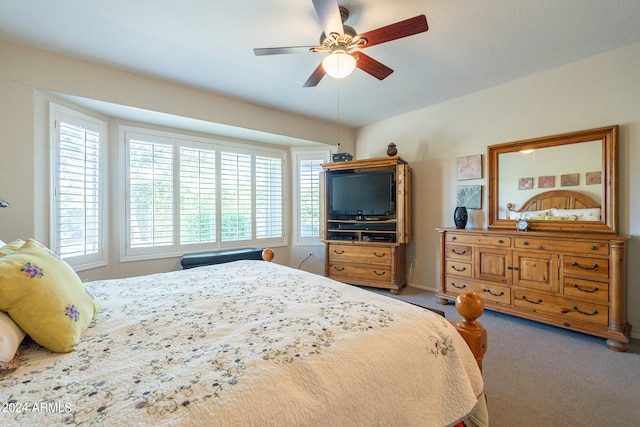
<point>315,77</point>
<point>329,14</point>
<point>261,51</point>
<point>401,29</point>
<point>373,67</point>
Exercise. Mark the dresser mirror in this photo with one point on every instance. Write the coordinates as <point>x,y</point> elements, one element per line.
<point>564,182</point>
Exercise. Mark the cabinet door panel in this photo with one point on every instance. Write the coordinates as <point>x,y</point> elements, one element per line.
<point>536,270</point>
<point>494,265</point>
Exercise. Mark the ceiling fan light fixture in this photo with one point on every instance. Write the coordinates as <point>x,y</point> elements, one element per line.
<point>339,64</point>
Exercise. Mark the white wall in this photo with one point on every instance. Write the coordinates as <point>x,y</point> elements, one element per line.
<point>599,91</point>
<point>25,74</point>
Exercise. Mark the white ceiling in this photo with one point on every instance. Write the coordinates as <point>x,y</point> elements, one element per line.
<point>471,45</point>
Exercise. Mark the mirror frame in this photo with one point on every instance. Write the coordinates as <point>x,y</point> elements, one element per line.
<point>608,136</point>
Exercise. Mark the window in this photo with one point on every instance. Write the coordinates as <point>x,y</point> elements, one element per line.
<point>78,229</point>
<point>186,194</point>
<point>307,183</point>
<point>150,194</point>
<point>197,195</point>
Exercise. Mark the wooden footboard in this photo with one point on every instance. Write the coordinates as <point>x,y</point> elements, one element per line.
<point>471,307</point>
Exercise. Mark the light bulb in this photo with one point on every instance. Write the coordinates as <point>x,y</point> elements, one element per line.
<point>339,64</point>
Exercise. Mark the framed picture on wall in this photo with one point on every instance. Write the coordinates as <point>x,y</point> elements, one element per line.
<point>570,180</point>
<point>525,183</point>
<point>469,196</point>
<point>546,181</point>
<point>593,178</point>
<point>470,167</point>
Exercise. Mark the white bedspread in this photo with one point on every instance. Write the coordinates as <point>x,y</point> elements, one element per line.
<point>247,343</point>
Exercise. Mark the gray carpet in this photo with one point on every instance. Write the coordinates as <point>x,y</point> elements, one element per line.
<point>540,375</point>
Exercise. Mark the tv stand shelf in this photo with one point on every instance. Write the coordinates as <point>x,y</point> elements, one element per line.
<point>362,249</point>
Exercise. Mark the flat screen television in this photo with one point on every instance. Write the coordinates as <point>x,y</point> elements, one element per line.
<point>366,194</point>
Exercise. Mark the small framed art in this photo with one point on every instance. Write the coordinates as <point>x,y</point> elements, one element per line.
<point>469,196</point>
<point>470,167</point>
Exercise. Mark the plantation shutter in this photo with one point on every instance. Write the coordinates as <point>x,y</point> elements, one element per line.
<point>197,196</point>
<point>150,194</point>
<point>236,201</point>
<point>78,206</point>
<point>268,183</point>
<point>309,197</point>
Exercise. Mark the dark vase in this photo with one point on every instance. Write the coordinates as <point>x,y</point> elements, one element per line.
<point>392,150</point>
<point>460,217</point>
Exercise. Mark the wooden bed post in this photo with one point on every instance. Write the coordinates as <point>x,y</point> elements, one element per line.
<point>470,307</point>
<point>267,255</point>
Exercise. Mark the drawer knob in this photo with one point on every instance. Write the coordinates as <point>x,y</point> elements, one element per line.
<point>593,313</point>
<point>593,248</point>
<point>453,238</point>
<point>338,268</point>
<point>524,297</point>
<point>501,241</point>
<point>515,267</point>
<point>584,267</point>
<point>458,269</point>
<point>459,253</point>
<point>592,290</point>
<point>458,286</point>
<point>525,243</point>
<point>494,294</point>
<point>380,255</point>
<point>338,252</point>
<point>379,273</point>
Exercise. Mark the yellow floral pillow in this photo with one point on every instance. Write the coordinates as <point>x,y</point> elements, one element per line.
<point>45,297</point>
<point>10,248</point>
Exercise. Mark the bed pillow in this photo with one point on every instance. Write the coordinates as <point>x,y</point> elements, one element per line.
<point>45,297</point>
<point>589,214</point>
<point>528,214</point>
<point>10,338</point>
<point>9,248</point>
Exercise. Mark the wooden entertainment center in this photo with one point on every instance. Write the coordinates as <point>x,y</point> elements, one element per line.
<point>362,246</point>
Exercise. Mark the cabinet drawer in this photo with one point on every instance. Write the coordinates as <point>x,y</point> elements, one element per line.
<point>598,248</point>
<point>459,252</point>
<point>382,274</point>
<point>501,294</point>
<point>458,268</point>
<point>563,306</point>
<point>502,241</point>
<point>582,266</point>
<point>363,254</point>
<point>597,291</point>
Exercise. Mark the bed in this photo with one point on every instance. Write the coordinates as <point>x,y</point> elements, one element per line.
<point>241,343</point>
<point>563,205</point>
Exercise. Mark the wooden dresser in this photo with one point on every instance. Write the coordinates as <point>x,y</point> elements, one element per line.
<point>368,251</point>
<point>571,280</point>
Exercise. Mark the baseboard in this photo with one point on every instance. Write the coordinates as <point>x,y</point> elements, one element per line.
<point>423,287</point>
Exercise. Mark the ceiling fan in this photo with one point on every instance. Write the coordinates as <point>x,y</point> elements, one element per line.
<point>344,44</point>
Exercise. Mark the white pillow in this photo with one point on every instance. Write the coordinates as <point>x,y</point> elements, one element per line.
<point>590,214</point>
<point>2,243</point>
<point>528,214</point>
<point>10,337</point>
